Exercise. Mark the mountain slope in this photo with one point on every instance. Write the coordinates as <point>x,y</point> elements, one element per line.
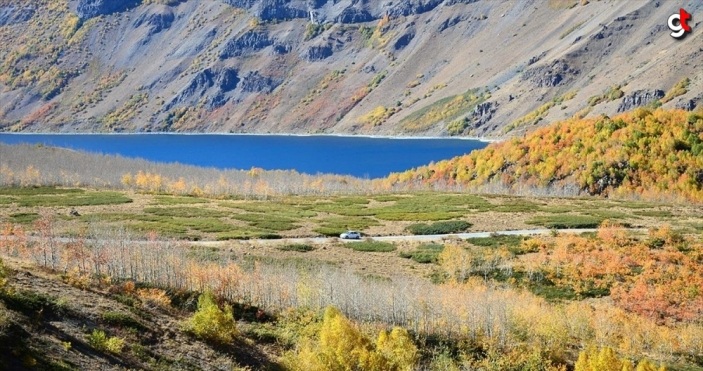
<point>410,67</point>
<point>647,153</point>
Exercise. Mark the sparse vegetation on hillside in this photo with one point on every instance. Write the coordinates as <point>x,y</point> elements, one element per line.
<point>679,89</point>
<point>377,116</point>
<point>613,93</point>
<point>647,153</point>
<point>538,114</point>
<point>444,110</point>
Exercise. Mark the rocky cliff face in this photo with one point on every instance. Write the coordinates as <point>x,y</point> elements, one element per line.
<point>86,9</point>
<point>404,67</point>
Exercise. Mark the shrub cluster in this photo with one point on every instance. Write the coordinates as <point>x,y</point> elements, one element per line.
<point>371,246</point>
<point>212,323</point>
<point>340,345</point>
<point>100,341</point>
<point>444,227</point>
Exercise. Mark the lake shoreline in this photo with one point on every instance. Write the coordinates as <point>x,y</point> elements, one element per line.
<point>321,135</point>
<point>362,157</point>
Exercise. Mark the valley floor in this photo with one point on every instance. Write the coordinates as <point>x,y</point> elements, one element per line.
<point>129,266</point>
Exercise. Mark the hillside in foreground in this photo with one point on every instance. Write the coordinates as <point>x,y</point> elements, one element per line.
<point>653,154</point>
<point>408,67</point>
<point>599,301</point>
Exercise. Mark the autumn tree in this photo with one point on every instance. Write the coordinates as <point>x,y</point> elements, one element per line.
<point>212,323</point>
<point>340,345</point>
<point>605,359</point>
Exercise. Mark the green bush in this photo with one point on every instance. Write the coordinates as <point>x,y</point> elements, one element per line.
<point>24,218</point>
<point>30,191</point>
<point>267,221</point>
<point>73,199</point>
<point>120,319</point>
<point>299,247</point>
<point>417,215</point>
<point>179,200</point>
<point>330,231</point>
<point>3,275</point>
<point>100,341</point>
<point>443,227</point>
<point>212,323</point>
<point>566,221</point>
<point>655,213</point>
<point>186,212</point>
<point>371,246</point>
<point>497,240</point>
<point>424,254</point>
<point>32,303</point>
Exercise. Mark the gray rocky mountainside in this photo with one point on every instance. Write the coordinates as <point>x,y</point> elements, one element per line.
<point>403,67</point>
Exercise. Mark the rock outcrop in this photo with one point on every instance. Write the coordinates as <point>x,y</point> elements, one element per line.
<point>216,81</point>
<point>557,73</point>
<point>254,82</point>
<point>86,9</point>
<point>354,15</point>
<point>249,42</point>
<point>408,7</point>
<point>157,21</point>
<point>318,53</point>
<point>640,98</point>
<point>404,40</point>
<point>482,114</point>
<point>689,104</point>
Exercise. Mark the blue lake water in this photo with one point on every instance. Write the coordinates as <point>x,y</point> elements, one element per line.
<point>357,156</point>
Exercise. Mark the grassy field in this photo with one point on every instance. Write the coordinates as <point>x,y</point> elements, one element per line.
<point>192,218</point>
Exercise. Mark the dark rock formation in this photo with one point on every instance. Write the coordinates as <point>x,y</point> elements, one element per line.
<point>409,7</point>
<point>249,42</point>
<point>404,40</point>
<point>222,80</point>
<point>10,15</point>
<point>689,104</point>
<point>278,10</point>
<point>318,53</point>
<point>226,79</point>
<point>358,11</point>
<point>640,98</point>
<point>450,22</point>
<point>354,15</point>
<point>315,3</point>
<point>612,179</point>
<point>92,8</point>
<point>483,113</point>
<point>452,2</point>
<point>536,59</point>
<point>282,48</point>
<point>244,4</point>
<point>254,82</point>
<point>216,101</point>
<point>156,21</point>
<point>558,73</point>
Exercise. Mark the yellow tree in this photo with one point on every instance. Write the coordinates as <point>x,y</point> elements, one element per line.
<point>398,348</point>
<point>605,359</point>
<point>340,346</point>
<point>456,262</point>
<point>212,323</point>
